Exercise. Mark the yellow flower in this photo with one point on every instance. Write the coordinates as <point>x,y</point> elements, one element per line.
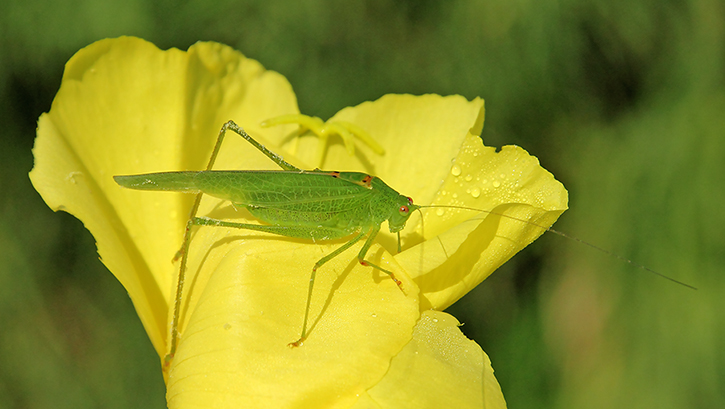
<point>125,107</point>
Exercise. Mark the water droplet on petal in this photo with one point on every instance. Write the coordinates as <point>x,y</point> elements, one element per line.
<point>476,192</point>
<point>440,212</point>
<point>496,183</point>
<point>456,170</point>
<point>468,177</point>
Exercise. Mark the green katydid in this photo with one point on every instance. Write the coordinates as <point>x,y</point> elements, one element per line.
<point>315,205</point>
<point>297,203</point>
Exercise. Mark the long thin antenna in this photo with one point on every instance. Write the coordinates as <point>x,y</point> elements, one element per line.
<point>562,234</point>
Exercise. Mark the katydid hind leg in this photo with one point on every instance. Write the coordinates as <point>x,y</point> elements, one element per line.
<point>275,158</point>
<point>183,252</point>
<point>217,147</point>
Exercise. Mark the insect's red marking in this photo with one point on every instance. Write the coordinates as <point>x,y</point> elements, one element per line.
<point>410,200</point>
<point>367,181</point>
<point>335,174</point>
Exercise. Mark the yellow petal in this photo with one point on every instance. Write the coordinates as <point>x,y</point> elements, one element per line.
<point>439,368</point>
<point>126,107</point>
<point>417,132</point>
<point>247,303</point>
<point>463,247</point>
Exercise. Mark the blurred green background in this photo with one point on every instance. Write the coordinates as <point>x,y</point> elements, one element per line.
<point>623,101</point>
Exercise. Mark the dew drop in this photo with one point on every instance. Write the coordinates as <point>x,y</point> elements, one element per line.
<point>440,212</point>
<point>227,326</point>
<point>476,192</point>
<point>455,195</point>
<point>456,170</point>
<point>496,183</point>
<point>468,177</point>
<point>502,176</point>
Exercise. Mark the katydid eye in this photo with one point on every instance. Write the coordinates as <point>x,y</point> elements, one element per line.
<point>404,209</point>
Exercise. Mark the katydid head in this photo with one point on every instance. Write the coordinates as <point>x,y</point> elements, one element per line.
<point>398,218</point>
<point>404,207</point>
